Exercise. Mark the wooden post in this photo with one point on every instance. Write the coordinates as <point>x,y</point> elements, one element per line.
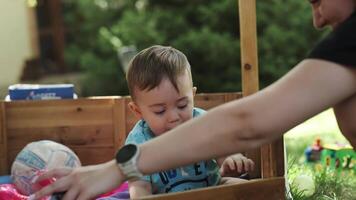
<point>249,57</point>
<point>249,62</point>
<point>269,156</point>
<point>3,142</point>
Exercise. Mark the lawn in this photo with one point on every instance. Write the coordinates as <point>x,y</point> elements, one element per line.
<point>329,184</point>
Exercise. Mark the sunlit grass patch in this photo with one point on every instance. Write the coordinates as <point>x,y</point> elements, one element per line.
<point>329,184</point>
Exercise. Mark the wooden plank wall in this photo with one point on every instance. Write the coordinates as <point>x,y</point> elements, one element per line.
<point>93,128</point>
<point>85,125</point>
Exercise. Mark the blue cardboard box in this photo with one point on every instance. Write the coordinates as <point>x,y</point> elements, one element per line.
<point>41,92</point>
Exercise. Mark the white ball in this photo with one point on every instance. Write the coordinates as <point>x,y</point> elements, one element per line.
<point>39,156</point>
<point>304,183</point>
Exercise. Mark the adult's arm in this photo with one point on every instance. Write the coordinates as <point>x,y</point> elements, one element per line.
<point>311,87</point>
<point>345,113</point>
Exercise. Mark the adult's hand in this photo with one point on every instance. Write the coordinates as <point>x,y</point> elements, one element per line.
<point>81,183</point>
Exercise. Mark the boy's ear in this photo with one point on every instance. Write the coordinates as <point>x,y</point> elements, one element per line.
<point>135,109</point>
<point>194,90</point>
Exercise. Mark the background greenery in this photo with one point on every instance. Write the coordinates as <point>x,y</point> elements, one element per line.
<point>207,31</point>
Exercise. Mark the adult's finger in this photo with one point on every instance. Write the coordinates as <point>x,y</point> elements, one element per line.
<point>232,164</point>
<point>249,165</point>
<point>62,184</point>
<point>84,196</point>
<point>239,165</point>
<point>71,194</point>
<point>54,173</point>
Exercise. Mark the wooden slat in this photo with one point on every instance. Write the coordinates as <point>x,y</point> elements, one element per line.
<point>268,163</point>
<point>63,102</point>
<point>272,156</point>
<point>3,167</point>
<point>207,101</point>
<point>2,123</point>
<point>266,189</point>
<point>232,96</point>
<point>89,156</point>
<point>49,116</point>
<point>3,141</point>
<point>280,157</point>
<point>90,136</point>
<point>119,123</point>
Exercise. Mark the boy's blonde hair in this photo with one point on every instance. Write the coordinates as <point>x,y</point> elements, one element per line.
<point>150,66</point>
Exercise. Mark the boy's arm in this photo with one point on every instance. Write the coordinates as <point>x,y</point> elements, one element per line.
<point>139,189</point>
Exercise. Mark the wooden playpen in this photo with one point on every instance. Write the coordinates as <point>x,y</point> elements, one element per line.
<point>95,127</point>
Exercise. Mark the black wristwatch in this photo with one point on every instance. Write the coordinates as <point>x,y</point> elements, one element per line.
<point>126,159</point>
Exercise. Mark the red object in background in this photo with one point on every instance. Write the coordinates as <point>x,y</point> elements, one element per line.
<point>38,185</point>
<point>317,145</point>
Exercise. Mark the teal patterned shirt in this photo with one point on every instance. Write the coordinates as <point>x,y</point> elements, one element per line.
<point>197,175</point>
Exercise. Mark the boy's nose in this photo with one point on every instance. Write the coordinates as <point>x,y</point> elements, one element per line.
<point>173,117</point>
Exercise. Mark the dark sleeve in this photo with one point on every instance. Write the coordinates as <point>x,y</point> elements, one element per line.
<point>340,45</point>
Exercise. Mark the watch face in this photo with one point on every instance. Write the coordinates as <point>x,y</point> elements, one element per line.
<point>126,153</point>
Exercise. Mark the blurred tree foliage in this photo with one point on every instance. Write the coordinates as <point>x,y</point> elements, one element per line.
<point>207,31</point>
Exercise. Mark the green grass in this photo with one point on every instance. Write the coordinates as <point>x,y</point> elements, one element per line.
<point>330,185</point>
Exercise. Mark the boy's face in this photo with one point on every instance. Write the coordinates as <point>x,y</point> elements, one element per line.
<point>163,108</point>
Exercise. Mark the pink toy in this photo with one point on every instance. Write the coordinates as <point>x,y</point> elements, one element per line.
<point>9,192</point>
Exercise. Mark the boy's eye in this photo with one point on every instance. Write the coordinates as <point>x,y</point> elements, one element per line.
<point>182,106</point>
<point>159,112</point>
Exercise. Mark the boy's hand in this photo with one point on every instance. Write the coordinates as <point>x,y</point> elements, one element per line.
<point>236,165</point>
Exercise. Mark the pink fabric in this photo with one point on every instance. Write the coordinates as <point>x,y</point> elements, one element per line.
<point>123,187</point>
<point>9,192</point>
